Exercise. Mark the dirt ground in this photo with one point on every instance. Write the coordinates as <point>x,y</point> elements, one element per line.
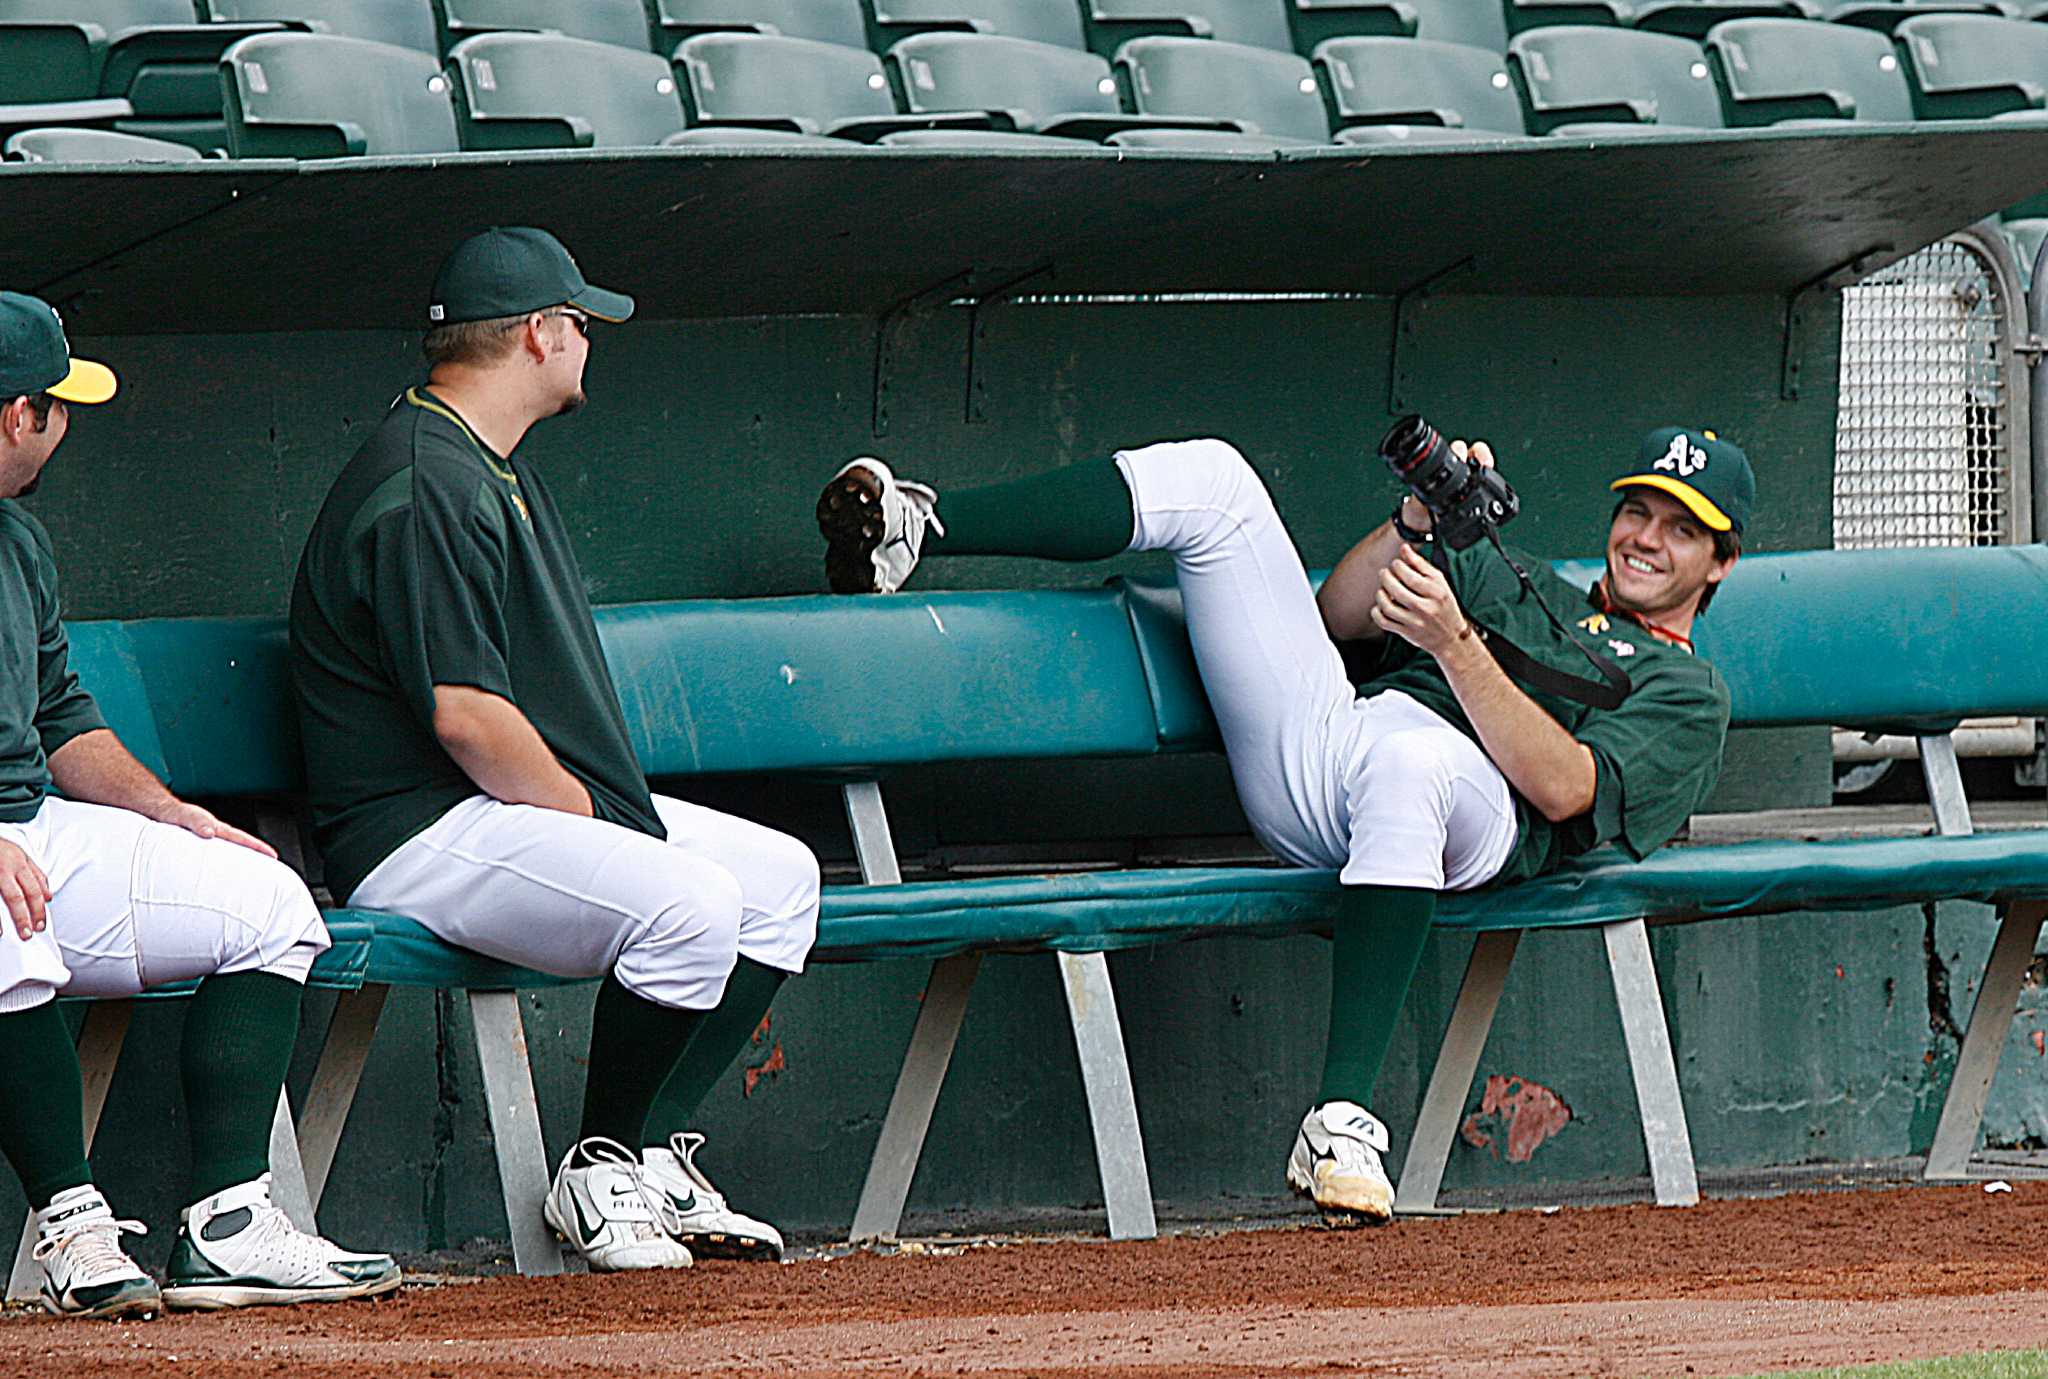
<point>1729,1287</point>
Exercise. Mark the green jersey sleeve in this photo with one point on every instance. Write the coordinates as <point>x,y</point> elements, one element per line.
<point>1657,756</point>
<point>64,709</point>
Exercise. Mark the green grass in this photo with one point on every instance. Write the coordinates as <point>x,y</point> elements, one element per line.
<point>2003,1364</point>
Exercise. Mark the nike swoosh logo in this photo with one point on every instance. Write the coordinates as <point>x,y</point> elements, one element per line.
<point>683,1203</point>
<point>590,1232</point>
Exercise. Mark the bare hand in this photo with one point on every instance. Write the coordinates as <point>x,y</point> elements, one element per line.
<point>193,819</point>
<point>25,889</point>
<point>1416,603</point>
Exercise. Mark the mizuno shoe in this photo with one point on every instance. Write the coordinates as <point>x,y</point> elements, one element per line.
<point>874,526</point>
<point>85,1274</point>
<point>237,1248</point>
<point>709,1227</point>
<point>1336,1164</point>
<point>603,1205</point>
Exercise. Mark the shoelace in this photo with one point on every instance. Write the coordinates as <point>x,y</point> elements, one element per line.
<point>98,1244</point>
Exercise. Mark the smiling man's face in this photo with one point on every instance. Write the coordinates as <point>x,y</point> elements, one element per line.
<point>1660,557</point>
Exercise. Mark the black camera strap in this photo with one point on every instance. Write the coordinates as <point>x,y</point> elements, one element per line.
<point>1607,692</point>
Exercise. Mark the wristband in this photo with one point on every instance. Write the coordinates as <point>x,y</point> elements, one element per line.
<point>1406,532</point>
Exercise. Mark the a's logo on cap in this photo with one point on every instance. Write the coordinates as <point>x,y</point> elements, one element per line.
<point>435,313</point>
<point>1685,457</point>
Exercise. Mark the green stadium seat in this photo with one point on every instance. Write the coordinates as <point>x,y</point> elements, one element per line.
<point>1972,66</point>
<point>796,84</point>
<point>1260,91</point>
<point>1417,135</point>
<point>623,22</point>
<point>1026,86</point>
<point>154,54</point>
<point>1412,81</point>
<point>1887,15</point>
<point>985,141</point>
<point>1259,23</point>
<point>1479,23</point>
<point>544,90</point>
<point>826,21</point>
<point>94,146</point>
<point>1774,70</point>
<point>1685,18</point>
<point>1208,141</point>
<point>743,138</point>
<point>1042,21</point>
<point>406,23</point>
<point>319,96</point>
<point>1591,80</point>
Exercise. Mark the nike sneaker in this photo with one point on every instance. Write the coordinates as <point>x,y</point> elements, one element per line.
<point>604,1207</point>
<point>710,1228</point>
<point>85,1272</point>
<point>237,1248</point>
<point>1336,1164</point>
<point>874,525</point>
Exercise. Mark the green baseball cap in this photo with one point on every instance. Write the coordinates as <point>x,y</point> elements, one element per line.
<point>36,358</point>
<point>1710,476</point>
<point>511,270</point>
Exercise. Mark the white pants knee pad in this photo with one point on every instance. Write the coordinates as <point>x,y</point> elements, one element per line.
<point>683,955</point>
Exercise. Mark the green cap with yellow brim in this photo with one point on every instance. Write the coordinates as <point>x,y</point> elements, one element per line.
<point>36,358</point>
<point>1710,476</point>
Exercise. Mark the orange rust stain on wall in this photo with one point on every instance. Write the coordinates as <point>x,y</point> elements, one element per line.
<point>1518,1111</point>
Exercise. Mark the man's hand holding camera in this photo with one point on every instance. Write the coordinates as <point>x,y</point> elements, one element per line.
<point>1415,601</point>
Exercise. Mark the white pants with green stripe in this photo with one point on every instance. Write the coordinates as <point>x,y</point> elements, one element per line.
<point>1383,788</point>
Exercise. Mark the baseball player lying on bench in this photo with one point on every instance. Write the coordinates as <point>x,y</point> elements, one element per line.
<point>1371,727</point>
<point>116,886</point>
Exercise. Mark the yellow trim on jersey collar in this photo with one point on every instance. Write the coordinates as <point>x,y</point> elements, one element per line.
<point>498,465</point>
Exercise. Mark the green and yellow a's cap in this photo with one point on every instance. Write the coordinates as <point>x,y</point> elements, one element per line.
<point>511,270</point>
<point>1710,476</point>
<point>36,358</point>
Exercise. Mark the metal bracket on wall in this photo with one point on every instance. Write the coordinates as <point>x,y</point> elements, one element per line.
<point>893,327</point>
<point>1406,303</point>
<point>1801,300</point>
<point>977,336</point>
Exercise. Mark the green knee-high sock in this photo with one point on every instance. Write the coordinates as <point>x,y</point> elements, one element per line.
<point>239,1031</point>
<point>42,1110</point>
<point>634,1046</point>
<point>1376,953</point>
<point>1081,512</point>
<point>718,1041</point>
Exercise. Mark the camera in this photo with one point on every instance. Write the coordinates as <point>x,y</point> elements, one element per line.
<point>1465,499</point>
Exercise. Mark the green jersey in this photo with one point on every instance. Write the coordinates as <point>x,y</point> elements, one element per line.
<point>435,561</point>
<point>1655,757</point>
<point>42,705</point>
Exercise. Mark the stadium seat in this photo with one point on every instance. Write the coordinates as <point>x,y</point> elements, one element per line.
<point>1412,81</point>
<point>796,84</point>
<point>1417,135</point>
<point>1480,23</point>
<point>321,96</point>
<point>1588,80</point>
<point>1026,86</point>
<point>1971,66</point>
<point>1887,15</point>
<point>985,141</point>
<point>406,23</point>
<point>1208,141</point>
<point>623,22</point>
<point>1774,70</point>
<point>94,146</point>
<point>1685,18</point>
<point>826,21</point>
<point>1260,23</point>
<point>1042,21</point>
<point>527,90</point>
<point>737,136</point>
<point>1261,91</point>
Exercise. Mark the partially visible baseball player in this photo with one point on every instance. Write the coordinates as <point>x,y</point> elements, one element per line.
<point>470,766</point>
<point>1412,762</point>
<point>116,886</point>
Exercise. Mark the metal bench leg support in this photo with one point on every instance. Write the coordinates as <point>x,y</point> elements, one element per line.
<point>515,1128</point>
<point>1112,1104</point>
<point>335,1078</point>
<point>99,1050</point>
<point>1443,1104</point>
<point>882,1196</point>
<point>1977,1061</point>
<point>1649,1059</point>
<point>287,1173</point>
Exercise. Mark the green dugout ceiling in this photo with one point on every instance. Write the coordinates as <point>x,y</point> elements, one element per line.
<point>797,310</point>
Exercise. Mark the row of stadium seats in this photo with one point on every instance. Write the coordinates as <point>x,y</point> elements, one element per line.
<point>300,95</point>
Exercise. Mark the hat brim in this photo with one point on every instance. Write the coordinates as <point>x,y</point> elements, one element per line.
<point>88,383</point>
<point>1695,501</point>
<point>612,307</point>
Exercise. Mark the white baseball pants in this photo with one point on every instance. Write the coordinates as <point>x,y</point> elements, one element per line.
<point>137,904</point>
<point>579,897</point>
<point>1383,787</point>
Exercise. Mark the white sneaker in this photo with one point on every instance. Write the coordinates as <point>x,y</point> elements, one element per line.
<point>603,1205</point>
<point>874,525</point>
<point>1336,1164</point>
<point>237,1248</point>
<point>709,1227</point>
<point>85,1273</point>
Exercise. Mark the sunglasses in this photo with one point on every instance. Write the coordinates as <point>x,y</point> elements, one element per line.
<point>578,319</point>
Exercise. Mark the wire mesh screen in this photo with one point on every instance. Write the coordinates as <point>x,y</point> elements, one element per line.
<point>1923,440</point>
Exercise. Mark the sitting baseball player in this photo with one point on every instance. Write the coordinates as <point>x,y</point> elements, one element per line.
<point>114,885</point>
<point>469,764</point>
<point>1370,727</point>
